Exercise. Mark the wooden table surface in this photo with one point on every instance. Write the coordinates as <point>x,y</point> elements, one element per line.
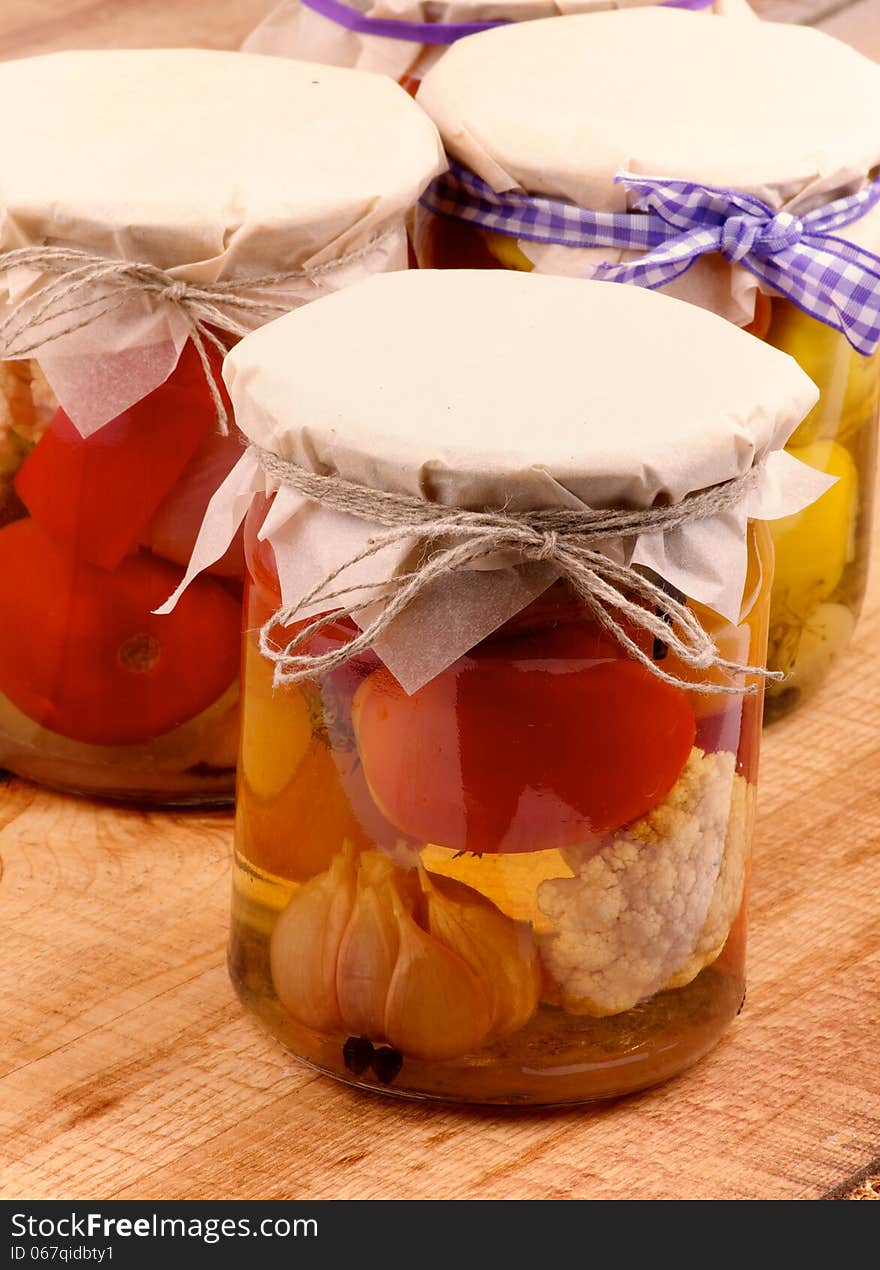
<point>128,1070</point>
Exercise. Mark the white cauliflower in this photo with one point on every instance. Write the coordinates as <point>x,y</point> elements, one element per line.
<point>27,404</point>
<point>654,904</point>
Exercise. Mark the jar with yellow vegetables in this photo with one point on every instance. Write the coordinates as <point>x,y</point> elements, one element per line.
<point>136,246</point>
<point>746,204</point>
<point>502,710</point>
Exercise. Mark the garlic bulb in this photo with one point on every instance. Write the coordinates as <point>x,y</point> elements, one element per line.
<point>369,948</point>
<point>436,1007</point>
<point>499,951</point>
<point>305,944</point>
<point>428,964</point>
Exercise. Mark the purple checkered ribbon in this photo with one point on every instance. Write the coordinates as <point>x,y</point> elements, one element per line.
<point>799,256</point>
<point>430,32</point>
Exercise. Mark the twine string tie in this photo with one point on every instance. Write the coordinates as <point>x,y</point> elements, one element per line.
<point>619,596</point>
<point>80,286</point>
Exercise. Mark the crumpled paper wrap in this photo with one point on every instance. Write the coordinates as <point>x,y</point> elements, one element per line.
<point>736,113</point>
<point>212,166</point>
<point>480,389</point>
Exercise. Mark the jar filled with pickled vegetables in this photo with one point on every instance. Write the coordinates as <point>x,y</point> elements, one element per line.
<point>506,612</point>
<point>155,206</point>
<point>405,38</point>
<point>749,201</point>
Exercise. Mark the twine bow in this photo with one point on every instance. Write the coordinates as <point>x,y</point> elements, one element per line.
<point>82,286</point>
<point>802,258</point>
<point>452,539</point>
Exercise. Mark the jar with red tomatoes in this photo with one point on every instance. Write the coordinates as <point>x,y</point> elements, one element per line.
<point>742,202</point>
<point>405,38</point>
<point>155,206</point>
<point>506,614</point>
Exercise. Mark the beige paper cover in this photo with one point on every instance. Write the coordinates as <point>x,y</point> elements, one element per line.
<point>783,112</point>
<point>210,165</point>
<point>484,389</point>
<point>294,30</point>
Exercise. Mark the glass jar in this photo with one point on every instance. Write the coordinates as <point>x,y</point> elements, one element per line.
<point>97,694</point>
<point>822,553</point>
<point>525,883</point>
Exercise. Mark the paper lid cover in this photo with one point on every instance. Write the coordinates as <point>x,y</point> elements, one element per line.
<point>475,387</point>
<point>493,390</point>
<point>220,162</point>
<point>559,106</point>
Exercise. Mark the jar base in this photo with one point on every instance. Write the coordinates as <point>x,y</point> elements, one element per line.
<point>152,795</point>
<point>557,1060</point>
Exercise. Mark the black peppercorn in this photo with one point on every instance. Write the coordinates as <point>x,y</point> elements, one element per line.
<point>357,1054</point>
<point>386,1063</point>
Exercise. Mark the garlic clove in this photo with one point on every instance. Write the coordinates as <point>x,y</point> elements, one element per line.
<point>368,951</point>
<point>304,948</point>
<point>501,953</point>
<point>436,1006</point>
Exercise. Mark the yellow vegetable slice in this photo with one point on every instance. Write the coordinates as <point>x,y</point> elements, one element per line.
<point>510,881</point>
<point>849,384</point>
<point>507,249</point>
<point>276,727</point>
<point>814,545</point>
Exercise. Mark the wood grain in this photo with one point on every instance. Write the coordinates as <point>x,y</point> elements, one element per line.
<point>127,1069</point>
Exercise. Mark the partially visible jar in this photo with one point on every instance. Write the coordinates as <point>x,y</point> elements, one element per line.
<point>97,694</point>
<point>199,193</point>
<point>823,552</point>
<point>492,843</point>
<point>406,40</point>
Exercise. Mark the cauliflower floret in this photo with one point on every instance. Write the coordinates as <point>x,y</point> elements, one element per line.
<point>27,404</point>
<point>655,902</point>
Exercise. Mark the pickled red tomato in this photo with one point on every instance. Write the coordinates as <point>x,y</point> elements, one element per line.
<point>82,654</point>
<point>98,493</point>
<point>528,743</point>
<point>173,530</point>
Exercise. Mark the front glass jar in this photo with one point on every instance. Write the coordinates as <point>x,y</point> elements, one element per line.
<point>822,553</point>
<point>524,883</point>
<point>97,694</point>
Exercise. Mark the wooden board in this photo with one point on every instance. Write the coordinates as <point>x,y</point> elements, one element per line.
<point>127,1069</point>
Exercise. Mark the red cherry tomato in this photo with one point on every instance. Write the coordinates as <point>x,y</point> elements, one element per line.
<point>527,743</point>
<point>173,530</point>
<point>82,654</point>
<point>98,493</point>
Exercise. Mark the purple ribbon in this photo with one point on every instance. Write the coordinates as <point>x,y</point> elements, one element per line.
<point>430,32</point>
<point>800,257</point>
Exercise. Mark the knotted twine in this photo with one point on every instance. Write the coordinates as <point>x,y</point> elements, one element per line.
<point>83,286</point>
<point>453,539</point>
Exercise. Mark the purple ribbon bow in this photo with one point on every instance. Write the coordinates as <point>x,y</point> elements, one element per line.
<point>430,32</point>
<point>798,256</point>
